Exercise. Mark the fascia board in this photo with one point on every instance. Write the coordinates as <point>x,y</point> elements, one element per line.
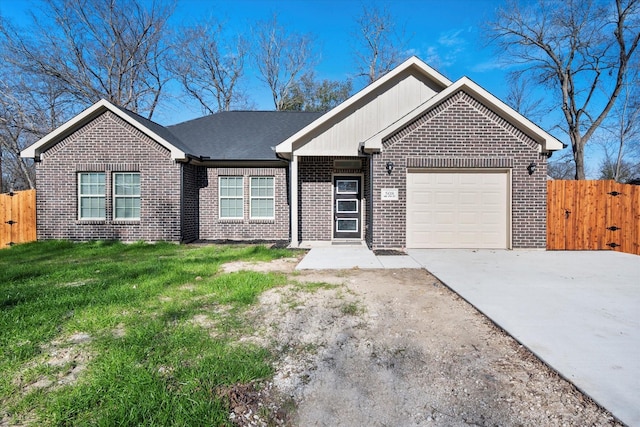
<point>547,142</point>
<point>286,147</point>
<point>34,150</point>
<point>62,131</point>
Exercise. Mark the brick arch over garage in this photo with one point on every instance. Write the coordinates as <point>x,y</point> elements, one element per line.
<point>461,133</point>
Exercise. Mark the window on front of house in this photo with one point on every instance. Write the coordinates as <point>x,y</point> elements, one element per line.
<point>126,196</point>
<point>262,199</point>
<point>91,196</point>
<point>231,197</point>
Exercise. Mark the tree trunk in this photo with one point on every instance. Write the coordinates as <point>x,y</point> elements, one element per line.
<point>577,145</point>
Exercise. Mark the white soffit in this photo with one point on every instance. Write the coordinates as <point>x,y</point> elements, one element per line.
<point>34,150</point>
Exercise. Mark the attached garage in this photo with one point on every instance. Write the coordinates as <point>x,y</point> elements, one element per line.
<point>441,164</point>
<point>458,209</point>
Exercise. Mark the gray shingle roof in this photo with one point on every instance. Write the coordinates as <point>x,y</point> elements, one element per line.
<point>154,127</point>
<point>240,135</point>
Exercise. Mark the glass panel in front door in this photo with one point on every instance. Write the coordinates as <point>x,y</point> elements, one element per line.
<point>347,186</point>
<point>347,206</point>
<point>346,210</point>
<point>347,224</point>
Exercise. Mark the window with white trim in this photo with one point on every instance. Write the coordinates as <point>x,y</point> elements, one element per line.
<point>262,197</point>
<point>231,196</point>
<point>91,196</point>
<point>126,196</point>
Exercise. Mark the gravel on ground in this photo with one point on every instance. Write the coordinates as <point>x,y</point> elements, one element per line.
<point>398,348</point>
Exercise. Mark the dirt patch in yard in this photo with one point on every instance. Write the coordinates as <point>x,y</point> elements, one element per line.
<point>66,359</point>
<point>281,265</point>
<point>397,348</point>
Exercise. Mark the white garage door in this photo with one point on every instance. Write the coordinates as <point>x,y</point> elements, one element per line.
<point>457,210</point>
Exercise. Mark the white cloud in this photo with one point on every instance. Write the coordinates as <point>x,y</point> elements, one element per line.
<point>491,65</point>
<point>451,39</point>
<point>448,48</point>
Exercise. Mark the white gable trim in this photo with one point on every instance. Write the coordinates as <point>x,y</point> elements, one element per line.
<point>49,140</point>
<point>285,148</point>
<point>547,142</point>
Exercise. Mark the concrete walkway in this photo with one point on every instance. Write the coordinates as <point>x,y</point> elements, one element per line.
<point>350,257</point>
<point>577,311</point>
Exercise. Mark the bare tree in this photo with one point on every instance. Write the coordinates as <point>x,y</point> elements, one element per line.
<point>521,97</point>
<point>281,57</point>
<point>562,167</point>
<point>579,48</point>
<point>380,42</point>
<point>94,49</point>
<point>74,53</point>
<point>621,171</point>
<point>28,110</point>
<point>621,139</point>
<point>210,67</point>
<point>310,94</point>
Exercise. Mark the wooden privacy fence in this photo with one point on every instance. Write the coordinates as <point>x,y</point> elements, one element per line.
<point>593,215</point>
<point>17,217</point>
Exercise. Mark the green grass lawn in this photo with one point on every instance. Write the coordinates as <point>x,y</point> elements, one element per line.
<point>105,333</point>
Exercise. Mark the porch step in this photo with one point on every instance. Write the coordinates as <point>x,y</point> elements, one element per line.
<point>347,243</point>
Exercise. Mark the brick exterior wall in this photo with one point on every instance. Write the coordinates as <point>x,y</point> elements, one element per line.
<point>315,196</point>
<point>214,228</point>
<point>461,133</point>
<point>108,144</point>
<point>180,201</point>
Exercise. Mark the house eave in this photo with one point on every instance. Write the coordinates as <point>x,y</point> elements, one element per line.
<point>286,147</point>
<point>35,150</point>
<point>235,163</point>
<point>546,142</point>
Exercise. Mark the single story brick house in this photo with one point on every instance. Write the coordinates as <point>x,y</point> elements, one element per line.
<point>411,161</point>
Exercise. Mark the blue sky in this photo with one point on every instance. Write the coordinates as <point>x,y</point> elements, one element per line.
<point>444,33</point>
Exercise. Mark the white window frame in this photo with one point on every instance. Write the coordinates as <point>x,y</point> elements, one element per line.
<point>346,192</point>
<point>221,197</point>
<point>81,196</point>
<point>124,196</point>
<point>272,197</point>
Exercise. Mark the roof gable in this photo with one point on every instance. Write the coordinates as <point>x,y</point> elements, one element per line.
<point>414,82</point>
<point>229,135</point>
<point>547,142</point>
<point>368,132</point>
<point>153,130</point>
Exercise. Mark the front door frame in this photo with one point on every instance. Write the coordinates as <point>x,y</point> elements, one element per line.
<point>336,235</point>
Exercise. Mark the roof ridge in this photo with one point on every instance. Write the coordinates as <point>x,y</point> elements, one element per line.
<point>219,113</point>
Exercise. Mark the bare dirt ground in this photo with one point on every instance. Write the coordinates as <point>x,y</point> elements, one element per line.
<point>395,348</point>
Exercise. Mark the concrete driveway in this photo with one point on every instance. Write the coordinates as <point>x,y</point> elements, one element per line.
<point>577,311</point>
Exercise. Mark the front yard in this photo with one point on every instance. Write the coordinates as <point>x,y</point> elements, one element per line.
<point>110,334</point>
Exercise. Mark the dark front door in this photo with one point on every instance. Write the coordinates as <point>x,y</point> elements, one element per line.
<point>346,207</point>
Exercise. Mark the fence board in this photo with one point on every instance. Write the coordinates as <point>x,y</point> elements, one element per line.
<point>17,217</point>
<point>593,215</point>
